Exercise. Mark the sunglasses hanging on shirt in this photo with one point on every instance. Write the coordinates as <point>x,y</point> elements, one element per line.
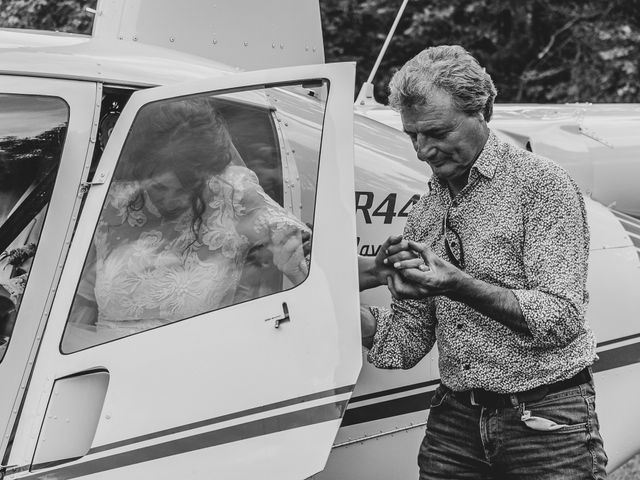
<point>452,243</point>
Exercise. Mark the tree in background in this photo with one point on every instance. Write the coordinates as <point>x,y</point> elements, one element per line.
<point>536,50</point>
<point>59,15</point>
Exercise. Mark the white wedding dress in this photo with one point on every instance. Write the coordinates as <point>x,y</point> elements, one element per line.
<point>148,271</point>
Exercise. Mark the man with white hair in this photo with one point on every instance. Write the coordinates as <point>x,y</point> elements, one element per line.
<point>492,264</point>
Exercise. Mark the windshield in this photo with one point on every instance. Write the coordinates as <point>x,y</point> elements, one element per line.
<point>32,132</point>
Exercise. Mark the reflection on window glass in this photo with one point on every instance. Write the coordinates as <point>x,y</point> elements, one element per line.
<point>197,218</point>
<point>32,132</point>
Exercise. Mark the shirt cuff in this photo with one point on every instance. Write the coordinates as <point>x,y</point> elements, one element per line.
<point>551,320</point>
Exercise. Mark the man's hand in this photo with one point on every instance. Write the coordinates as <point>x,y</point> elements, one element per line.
<point>421,273</point>
<point>428,275</point>
<point>390,251</point>
<point>374,272</point>
<point>395,249</point>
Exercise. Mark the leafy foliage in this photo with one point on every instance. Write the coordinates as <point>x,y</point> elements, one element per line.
<point>535,50</point>
<point>25,159</point>
<point>61,15</point>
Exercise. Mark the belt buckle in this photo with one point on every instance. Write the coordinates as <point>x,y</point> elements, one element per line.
<point>472,397</point>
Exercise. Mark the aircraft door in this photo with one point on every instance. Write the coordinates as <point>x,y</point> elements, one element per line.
<point>45,131</point>
<point>207,320</point>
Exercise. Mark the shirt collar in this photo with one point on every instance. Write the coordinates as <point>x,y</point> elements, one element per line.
<point>486,163</point>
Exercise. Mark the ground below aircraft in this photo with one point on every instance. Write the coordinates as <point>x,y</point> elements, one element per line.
<point>269,381</point>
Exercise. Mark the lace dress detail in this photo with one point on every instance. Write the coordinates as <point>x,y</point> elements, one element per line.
<point>150,271</point>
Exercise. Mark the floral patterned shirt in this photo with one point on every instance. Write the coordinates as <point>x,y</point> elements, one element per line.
<point>522,224</point>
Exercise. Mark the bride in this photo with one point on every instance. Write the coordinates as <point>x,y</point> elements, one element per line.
<point>180,218</point>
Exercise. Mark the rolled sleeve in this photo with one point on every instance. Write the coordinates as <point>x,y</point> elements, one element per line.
<point>404,334</point>
<point>555,257</point>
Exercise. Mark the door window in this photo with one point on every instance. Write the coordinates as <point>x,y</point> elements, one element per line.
<point>204,211</point>
<point>32,133</point>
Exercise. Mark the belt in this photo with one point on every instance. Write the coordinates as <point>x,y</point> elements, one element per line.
<point>484,398</point>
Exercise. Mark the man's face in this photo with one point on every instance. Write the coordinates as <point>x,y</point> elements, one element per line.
<point>447,139</point>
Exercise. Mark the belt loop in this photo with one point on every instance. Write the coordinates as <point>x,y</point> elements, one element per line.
<point>472,398</point>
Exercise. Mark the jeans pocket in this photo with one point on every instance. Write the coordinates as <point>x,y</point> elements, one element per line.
<point>562,412</point>
<point>542,424</point>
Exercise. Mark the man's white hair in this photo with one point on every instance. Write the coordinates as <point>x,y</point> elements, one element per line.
<point>448,68</point>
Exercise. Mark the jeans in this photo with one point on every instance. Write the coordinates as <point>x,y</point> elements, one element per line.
<point>555,438</point>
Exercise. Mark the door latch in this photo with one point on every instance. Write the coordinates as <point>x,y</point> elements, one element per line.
<point>280,318</point>
<point>84,186</point>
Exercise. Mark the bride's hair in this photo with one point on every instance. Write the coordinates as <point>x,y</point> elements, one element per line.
<point>187,137</point>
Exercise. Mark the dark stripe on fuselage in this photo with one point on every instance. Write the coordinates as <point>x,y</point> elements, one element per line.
<point>631,225</point>
<point>390,408</point>
<point>255,428</point>
<point>609,359</point>
<point>625,216</point>
<point>225,418</point>
<point>618,340</point>
<point>617,357</point>
<point>392,391</point>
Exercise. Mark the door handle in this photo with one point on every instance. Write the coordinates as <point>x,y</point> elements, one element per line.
<point>280,318</point>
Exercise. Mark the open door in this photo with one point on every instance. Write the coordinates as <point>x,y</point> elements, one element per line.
<point>206,324</point>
